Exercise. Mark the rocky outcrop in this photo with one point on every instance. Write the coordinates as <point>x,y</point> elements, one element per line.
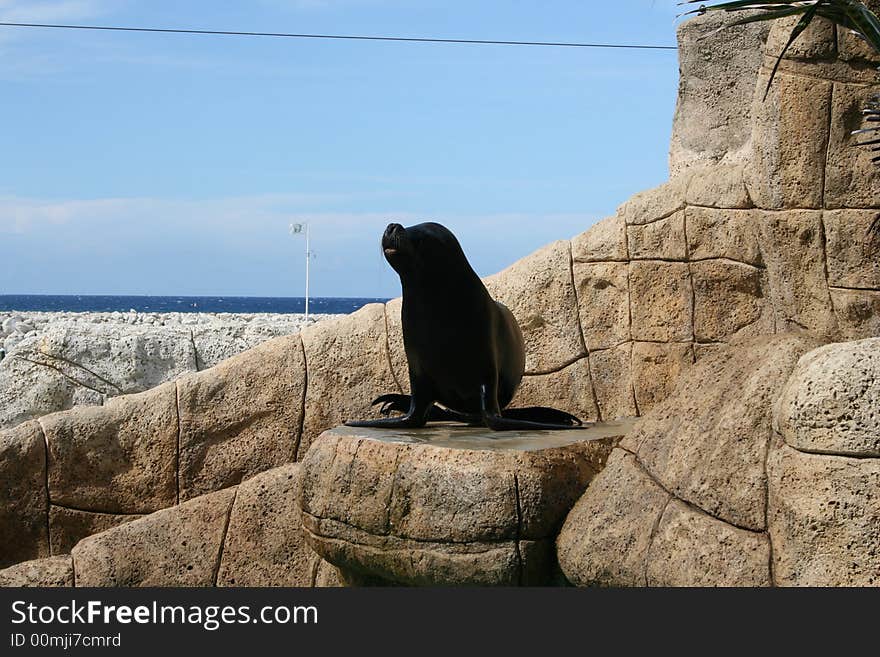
<point>831,405</point>
<point>445,506</point>
<point>56,361</point>
<point>24,500</point>
<point>246,535</point>
<point>740,478</point>
<point>824,470</point>
<point>48,572</point>
<point>760,231</point>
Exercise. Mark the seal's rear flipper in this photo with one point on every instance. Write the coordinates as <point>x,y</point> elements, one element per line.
<point>401,403</point>
<point>543,415</point>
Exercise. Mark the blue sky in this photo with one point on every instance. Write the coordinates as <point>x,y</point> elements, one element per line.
<point>164,164</point>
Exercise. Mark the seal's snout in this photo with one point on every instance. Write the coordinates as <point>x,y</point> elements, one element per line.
<point>392,238</point>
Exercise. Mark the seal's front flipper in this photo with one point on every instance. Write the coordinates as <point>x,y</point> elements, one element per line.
<point>416,413</point>
<point>393,402</point>
<point>401,404</point>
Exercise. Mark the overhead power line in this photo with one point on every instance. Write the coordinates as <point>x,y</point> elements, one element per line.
<point>350,37</point>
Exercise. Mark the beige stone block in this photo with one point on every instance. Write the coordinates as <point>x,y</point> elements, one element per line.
<point>264,544</point>
<point>857,312</point>
<point>707,441</point>
<point>728,234</point>
<point>660,240</point>
<point>606,537</point>
<point>117,458</point>
<point>429,509</point>
<point>818,41</point>
<point>851,179</point>
<point>719,186</point>
<point>604,242</point>
<point>792,244</point>
<point>824,519</point>
<point>656,369</point>
<point>830,402</point>
<point>603,303</point>
<point>718,71</point>
<point>729,300</point>
<point>612,378</point>
<point>540,293</point>
<point>179,546</point>
<point>23,500</point>
<point>789,137</point>
<point>348,367</point>
<point>42,573</point>
<point>654,204</point>
<point>853,253</point>
<point>68,526</point>
<point>241,417</point>
<point>661,301</point>
<point>691,548</point>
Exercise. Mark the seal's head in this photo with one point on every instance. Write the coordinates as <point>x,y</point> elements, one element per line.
<point>424,250</point>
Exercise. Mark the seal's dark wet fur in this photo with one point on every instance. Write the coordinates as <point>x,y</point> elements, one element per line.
<point>465,350</point>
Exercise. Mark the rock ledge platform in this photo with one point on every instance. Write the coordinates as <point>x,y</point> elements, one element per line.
<point>447,505</point>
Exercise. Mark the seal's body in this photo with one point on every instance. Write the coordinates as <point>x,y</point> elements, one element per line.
<point>465,350</point>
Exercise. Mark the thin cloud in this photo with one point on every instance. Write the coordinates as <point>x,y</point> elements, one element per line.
<point>24,215</point>
<point>28,11</point>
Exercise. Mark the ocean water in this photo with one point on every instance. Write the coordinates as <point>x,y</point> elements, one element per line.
<point>74,303</point>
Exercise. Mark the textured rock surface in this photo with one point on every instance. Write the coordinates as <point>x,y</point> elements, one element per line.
<point>824,519</point>
<point>656,369</point>
<point>662,301</point>
<point>612,379</point>
<point>173,547</point>
<point>691,548</point>
<point>23,499</point>
<point>792,244</point>
<point>603,300</point>
<point>219,444</point>
<point>72,359</point>
<point>68,526</point>
<point>348,367</point>
<point>118,458</point>
<point>264,543</point>
<point>540,293</point>
<point>429,513</point>
<point>831,404</point>
<point>52,571</point>
<point>683,499</point>
<point>729,301</point>
<point>707,442</point>
<point>718,72</point>
<point>790,137</point>
<point>249,535</point>
<point>606,537</point>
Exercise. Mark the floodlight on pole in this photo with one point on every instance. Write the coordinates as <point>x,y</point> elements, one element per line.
<point>300,229</point>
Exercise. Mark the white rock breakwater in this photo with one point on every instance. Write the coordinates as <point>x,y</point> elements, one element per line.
<point>52,361</point>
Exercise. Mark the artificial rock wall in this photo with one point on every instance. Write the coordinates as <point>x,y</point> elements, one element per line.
<point>760,230</point>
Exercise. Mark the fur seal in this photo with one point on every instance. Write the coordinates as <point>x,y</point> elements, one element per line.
<point>465,350</point>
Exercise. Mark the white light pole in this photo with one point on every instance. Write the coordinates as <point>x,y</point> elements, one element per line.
<point>299,229</point>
